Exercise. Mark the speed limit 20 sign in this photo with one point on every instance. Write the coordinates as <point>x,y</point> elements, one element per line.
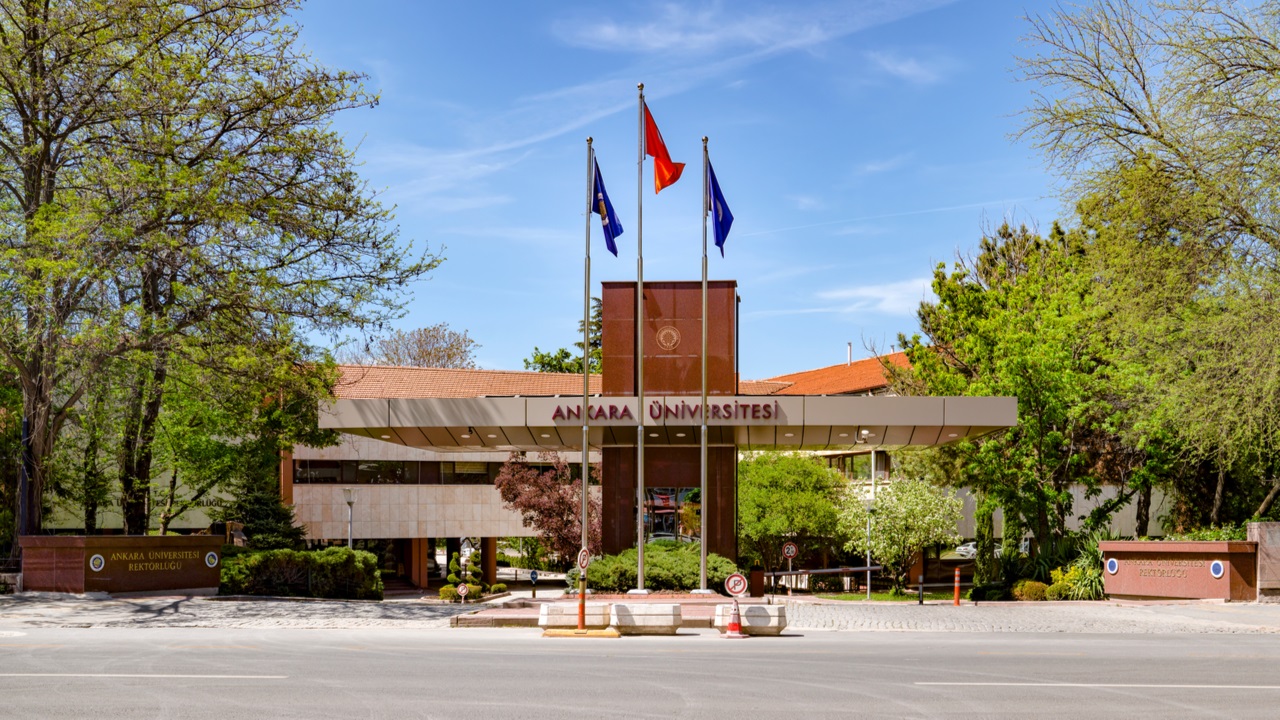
<point>790,551</point>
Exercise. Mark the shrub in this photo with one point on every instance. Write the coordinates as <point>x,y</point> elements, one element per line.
<point>498,588</point>
<point>335,572</point>
<point>826,583</point>
<point>449,593</point>
<point>1213,532</point>
<point>989,592</point>
<point>1058,591</point>
<point>669,565</point>
<point>1029,590</point>
<point>1081,580</point>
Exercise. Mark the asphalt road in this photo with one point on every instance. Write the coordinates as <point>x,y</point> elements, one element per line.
<point>513,673</point>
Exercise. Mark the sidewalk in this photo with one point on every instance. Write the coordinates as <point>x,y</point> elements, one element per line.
<point>26,610</point>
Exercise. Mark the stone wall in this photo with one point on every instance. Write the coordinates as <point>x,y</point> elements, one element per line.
<point>1267,535</point>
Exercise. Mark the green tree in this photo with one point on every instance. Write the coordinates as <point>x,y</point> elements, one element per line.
<point>167,168</point>
<point>1186,85</point>
<point>1022,320</point>
<point>565,360</point>
<point>907,516</point>
<point>786,497</point>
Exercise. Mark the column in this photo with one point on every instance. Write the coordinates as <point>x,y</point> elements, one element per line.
<point>489,556</point>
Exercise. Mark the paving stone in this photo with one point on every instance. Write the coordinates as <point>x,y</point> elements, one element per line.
<point>1094,617</point>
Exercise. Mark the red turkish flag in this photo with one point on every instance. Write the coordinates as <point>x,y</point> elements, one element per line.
<point>665,172</point>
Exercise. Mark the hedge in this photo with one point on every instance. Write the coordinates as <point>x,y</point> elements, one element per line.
<point>668,565</point>
<point>335,572</point>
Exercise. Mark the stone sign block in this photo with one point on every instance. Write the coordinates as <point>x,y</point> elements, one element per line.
<point>1185,570</point>
<point>122,563</point>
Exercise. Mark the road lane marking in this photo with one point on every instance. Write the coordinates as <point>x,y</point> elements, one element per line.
<point>213,647</point>
<point>131,675</point>
<point>1034,654</point>
<point>31,645</point>
<point>1105,685</point>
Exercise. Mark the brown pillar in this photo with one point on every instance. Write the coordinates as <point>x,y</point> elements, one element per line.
<point>425,551</point>
<point>286,476</point>
<point>489,555</point>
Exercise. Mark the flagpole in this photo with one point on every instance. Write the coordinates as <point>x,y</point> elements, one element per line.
<point>702,526</point>
<point>640,589</point>
<point>586,386</point>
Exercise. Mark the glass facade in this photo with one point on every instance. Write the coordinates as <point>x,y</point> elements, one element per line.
<point>673,514</point>
<point>392,472</point>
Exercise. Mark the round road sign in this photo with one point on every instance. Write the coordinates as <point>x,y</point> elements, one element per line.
<point>1217,569</point>
<point>584,558</point>
<point>463,590</point>
<point>735,584</point>
<point>790,551</point>
<point>533,576</point>
<point>1113,566</point>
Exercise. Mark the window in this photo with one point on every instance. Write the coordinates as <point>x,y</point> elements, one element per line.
<point>386,473</point>
<point>467,473</point>
<point>355,472</point>
<point>317,471</point>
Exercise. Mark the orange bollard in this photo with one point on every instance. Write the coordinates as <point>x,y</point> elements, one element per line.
<point>957,599</point>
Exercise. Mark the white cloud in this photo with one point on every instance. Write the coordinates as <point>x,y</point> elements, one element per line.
<point>913,70</point>
<point>805,202</point>
<point>728,27</point>
<point>741,35</point>
<point>893,298</point>
<point>878,166</point>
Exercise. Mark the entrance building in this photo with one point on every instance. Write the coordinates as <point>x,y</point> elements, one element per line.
<point>455,427</point>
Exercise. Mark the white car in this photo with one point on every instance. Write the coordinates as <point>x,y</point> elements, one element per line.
<point>968,550</point>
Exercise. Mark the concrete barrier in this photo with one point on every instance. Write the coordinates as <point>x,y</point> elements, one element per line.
<point>645,618</point>
<point>756,619</point>
<point>565,615</point>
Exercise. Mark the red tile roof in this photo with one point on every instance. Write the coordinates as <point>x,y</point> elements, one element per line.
<point>760,387</point>
<point>380,381</point>
<point>377,381</point>
<point>859,376</point>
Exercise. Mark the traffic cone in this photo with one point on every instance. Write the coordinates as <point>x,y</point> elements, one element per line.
<point>735,624</point>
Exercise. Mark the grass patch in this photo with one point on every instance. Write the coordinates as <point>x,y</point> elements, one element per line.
<point>886,597</point>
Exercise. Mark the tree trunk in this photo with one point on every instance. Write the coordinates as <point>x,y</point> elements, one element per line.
<point>1142,514</point>
<point>91,481</point>
<point>1269,499</point>
<point>985,567</point>
<point>166,515</point>
<point>1215,513</point>
<point>146,397</point>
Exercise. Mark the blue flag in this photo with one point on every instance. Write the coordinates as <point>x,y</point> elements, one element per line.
<point>721,218</point>
<point>608,218</point>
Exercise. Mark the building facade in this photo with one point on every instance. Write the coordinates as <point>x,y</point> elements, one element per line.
<point>452,428</point>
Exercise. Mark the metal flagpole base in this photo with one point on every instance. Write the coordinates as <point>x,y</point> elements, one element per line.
<point>639,591</point>
<point>702,592</point>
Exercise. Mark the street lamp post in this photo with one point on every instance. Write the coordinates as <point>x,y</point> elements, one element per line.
<point>350,496</point>
<point>871,508</point>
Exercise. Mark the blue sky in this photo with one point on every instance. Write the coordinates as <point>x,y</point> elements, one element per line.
<point>858,143</point>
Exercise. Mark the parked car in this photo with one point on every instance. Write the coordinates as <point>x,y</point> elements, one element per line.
<point>968,550</point>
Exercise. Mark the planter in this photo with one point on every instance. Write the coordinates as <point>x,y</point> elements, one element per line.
<point>1144,570</point>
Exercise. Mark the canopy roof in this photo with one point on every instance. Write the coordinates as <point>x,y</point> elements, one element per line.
<point>748,421</point>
